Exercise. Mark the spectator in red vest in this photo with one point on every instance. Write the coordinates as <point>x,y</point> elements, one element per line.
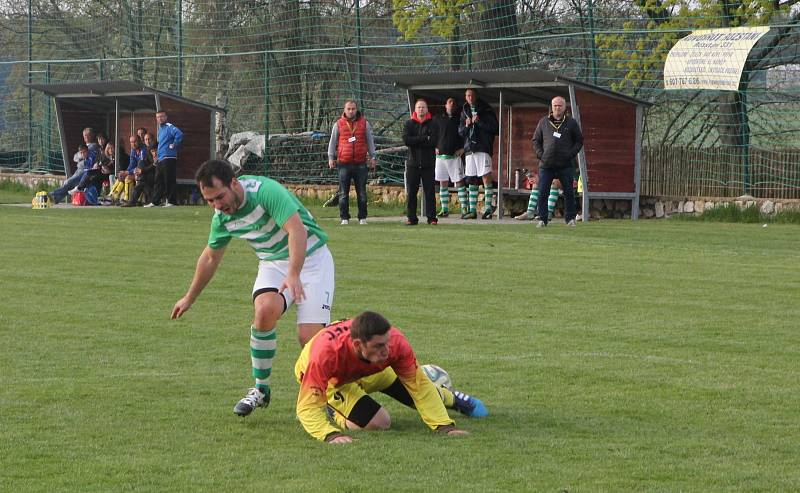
<point>351,149</point>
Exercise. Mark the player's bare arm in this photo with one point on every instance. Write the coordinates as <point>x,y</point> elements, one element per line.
<point>207,265</point>
<point>297,255</point>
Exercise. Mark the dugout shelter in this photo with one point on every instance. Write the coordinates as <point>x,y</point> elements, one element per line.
<point>118,108</point>
<point>612,123</point>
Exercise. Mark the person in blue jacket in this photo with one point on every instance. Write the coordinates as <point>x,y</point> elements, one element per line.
<point>170,138</point>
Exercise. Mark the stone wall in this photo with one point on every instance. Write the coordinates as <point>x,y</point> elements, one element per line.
<point>33,180</point>
<point>658,207</point>
<point>649,207</point>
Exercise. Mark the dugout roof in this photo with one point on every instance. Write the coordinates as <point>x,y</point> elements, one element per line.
<point>518,85</point>
<point>118,107</point>
<point>101,95</point>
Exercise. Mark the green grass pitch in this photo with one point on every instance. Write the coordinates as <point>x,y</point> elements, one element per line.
<point>616,356</point>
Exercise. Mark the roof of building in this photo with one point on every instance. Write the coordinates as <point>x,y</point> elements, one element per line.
<point>517,85</point>
<point>103,95</point>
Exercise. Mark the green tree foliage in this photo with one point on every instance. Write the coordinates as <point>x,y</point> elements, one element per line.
<point>637,58</point>
<point>443,16</point>
<point>461,20</point>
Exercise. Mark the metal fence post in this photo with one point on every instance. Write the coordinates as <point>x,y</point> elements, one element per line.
<point>180,47</point>
<point>48,127</point>
<point>30,80</point>
<point>359,68</point>
<point>265,158</point>
<point>745,128</point>
<point>593,45</point>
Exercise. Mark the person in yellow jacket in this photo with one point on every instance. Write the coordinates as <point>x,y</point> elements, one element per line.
<point>345,362</point>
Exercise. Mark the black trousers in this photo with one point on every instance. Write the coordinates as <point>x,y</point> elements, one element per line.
<point>546,177</point>
<point>144,186</point>
<point>166,182</point>
<point>414,175</point>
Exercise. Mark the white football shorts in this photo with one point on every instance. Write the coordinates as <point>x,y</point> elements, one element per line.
<point>449,169</point>
<point>479,164</point>
<point>317,279</point>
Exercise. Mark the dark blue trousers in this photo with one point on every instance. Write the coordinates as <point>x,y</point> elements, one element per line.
<point>546,177</point>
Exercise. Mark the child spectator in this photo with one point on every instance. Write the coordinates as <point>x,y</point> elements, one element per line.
<point>92,181</point>
<point>84,160</point>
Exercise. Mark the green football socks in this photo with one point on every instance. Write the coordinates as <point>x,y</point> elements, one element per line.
<point>262,350</point>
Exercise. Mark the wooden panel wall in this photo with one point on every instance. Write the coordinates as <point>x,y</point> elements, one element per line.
<point>75,119</point>
<point>609,131</point>
<point>195,123</point>
<point>129,122</point>
<point>523,125</point>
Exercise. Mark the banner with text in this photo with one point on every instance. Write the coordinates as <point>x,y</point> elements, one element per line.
<point>711,58</point>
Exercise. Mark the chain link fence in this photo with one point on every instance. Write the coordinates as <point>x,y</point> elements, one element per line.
<point>284,68</point>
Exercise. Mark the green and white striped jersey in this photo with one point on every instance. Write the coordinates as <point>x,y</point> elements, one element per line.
<point>266,207</point>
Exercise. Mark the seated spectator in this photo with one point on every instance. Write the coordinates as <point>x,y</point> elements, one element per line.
<point>90,139</point>
<point>95,176</point>
<point>150,141</point>
<point>80,159</point>
<point>123,187</point>
<point>102,140</point>
<point>145,174</point>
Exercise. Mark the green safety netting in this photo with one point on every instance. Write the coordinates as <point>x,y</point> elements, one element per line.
<point>285,67</point>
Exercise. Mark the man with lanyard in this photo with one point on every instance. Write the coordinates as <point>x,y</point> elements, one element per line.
<point>351,148</point>
<point>295,265</point>
<point>556,141</point>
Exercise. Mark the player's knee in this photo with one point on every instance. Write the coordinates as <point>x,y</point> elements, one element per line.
<point>381,421</point>
<point>269,307</point>
<point>266,319</point>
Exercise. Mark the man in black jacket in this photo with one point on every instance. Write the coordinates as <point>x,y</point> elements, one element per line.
<point>449,149</point>
<point>478,128</point>
<point>556,141</point>
<point>420,135</point>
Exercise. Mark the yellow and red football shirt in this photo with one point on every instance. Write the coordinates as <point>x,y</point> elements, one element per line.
<point>329,359</point>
